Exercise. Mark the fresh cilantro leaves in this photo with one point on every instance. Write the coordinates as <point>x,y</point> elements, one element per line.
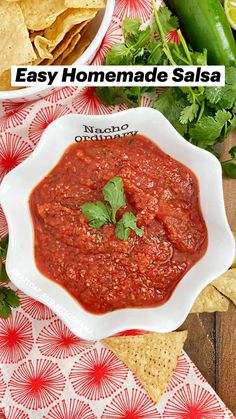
<point>138,48</point>
<point>125,224</point>
<point>130,29</point>
<point>189,113</point>
<point>209,128</point>
<point>3,253</point>
<point>130,96</point>
<point>232,152</point>
<point>4,277</point>
<point>137,44</point>
<point>229,166</point>
<point>119,55</point>
<point>223,97</point>
<point>100,213</point>
<point>167,21</point>
<point>207,116</point>
<point>8,298</point>
<point>172,103</point>
<point>203,115</point>
<point>113,193</point>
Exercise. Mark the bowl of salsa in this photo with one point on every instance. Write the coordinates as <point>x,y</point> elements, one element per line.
<point>117,224</point>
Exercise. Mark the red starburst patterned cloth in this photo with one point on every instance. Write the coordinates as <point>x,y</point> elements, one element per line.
<point>46,372</point>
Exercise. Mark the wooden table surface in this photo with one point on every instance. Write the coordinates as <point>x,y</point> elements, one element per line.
<point>211,340</point>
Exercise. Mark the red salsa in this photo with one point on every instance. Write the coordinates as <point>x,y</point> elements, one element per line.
<point>101,271</point>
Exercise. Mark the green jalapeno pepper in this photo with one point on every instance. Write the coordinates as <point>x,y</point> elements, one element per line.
<point>205,25</point>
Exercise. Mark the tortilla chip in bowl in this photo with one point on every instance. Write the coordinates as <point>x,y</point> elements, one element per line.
<point>44,31</point>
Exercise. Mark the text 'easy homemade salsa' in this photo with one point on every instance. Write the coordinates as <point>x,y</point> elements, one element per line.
<point>101,271</point>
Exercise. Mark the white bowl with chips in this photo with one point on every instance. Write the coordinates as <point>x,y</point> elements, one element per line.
<point>20,264</point>
<point>96,32</point>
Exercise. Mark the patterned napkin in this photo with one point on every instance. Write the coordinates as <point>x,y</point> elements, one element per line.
<point>46,371</point>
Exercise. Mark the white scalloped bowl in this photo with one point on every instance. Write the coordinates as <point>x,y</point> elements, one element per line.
<point>20,264</point>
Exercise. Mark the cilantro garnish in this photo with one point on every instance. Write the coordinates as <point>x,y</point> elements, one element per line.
<point>8,298</point>
<point>101,213</point>
<point>205,116</point>
<point>98,213</point>
<point>128,221</point>
<point>113,193</point>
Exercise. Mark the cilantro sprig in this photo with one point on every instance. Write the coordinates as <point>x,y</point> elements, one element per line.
<point>97,213</point>
<point>100,213</point>
<point>229,166</point>
<point>205,116</point>
<point>113,193</point>
<point>8,298</point>
<point>127,222</point>
<point>3,253</point>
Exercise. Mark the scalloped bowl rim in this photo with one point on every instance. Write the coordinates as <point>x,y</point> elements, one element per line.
<point>20,264</point>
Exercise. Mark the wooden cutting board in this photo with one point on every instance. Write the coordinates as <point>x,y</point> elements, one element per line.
<point>212,337</point>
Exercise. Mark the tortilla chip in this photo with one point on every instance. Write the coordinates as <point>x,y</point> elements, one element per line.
<point>16,46</point>
<point>209,301</point>
<point>5,81</point>
<point>40,14</point>
<point>90,4</point>
<point>77,51</point>
<point>234,262</point>
<point>5,77</point>
<point>152,357</point>
<point>33,34</point>
<point>226,284</point>
<point>64,45</point>
<point>64,23</point>
<point>70,48</point>
<point>41,45</point>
